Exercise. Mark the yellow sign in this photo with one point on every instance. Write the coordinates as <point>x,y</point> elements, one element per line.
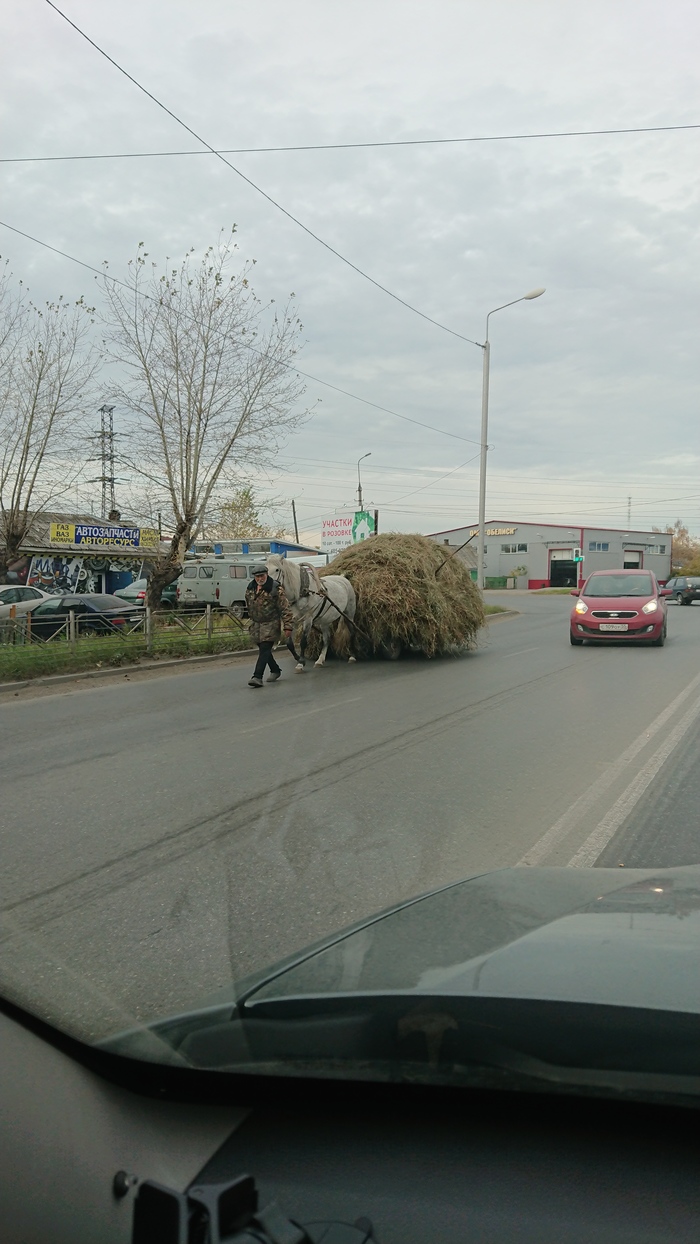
<point>103,537</point>
<point>498,531</point>
<point>62,533</point>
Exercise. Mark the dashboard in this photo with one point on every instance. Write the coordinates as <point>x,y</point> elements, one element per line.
<point>406,1164</point>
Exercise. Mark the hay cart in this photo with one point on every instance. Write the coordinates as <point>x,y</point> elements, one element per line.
<point>411,596</point>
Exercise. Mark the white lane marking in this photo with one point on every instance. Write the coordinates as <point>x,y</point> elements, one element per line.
<point>282,721</point>
<point>520,652</point>
<point>587,854</point>
<point>567,821</point>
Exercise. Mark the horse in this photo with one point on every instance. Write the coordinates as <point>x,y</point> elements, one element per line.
<point>314,602</point>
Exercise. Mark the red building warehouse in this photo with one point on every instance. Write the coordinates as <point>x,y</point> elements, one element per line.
<point>547,554</point>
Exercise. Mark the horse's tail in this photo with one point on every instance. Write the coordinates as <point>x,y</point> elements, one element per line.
<point>352,601</point>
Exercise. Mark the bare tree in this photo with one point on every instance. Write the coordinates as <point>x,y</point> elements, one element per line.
<point>46,370</point>
<point>210,379</point>
<point>241,516</point>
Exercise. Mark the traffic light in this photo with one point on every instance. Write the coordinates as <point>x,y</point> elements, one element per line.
<point>578,555</point>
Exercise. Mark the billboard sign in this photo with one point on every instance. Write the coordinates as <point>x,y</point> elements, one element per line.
<point>336,533</point>
<point>362,526</point>
<point>342,530</point>
<point>96,536</point>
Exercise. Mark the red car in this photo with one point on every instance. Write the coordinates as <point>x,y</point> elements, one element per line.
<point>620,604</point>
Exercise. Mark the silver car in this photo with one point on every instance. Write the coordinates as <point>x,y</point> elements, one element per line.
<point>23,598</point>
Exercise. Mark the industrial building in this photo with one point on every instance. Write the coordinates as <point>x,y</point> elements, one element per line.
<point>536,555</point>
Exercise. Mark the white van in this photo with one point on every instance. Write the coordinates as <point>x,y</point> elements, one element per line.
<point>217,580</point>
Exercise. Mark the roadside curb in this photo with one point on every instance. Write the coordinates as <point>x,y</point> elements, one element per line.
<point>53,680</point>
<point>507,613</point>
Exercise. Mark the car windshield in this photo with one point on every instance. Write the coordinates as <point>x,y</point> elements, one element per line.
<point>390,717</point>
<point>619,585</point>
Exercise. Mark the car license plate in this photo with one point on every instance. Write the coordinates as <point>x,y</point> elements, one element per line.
<point>613,626</point>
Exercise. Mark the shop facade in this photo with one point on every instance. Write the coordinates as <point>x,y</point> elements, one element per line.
<point>80,553</point>
<point>535,555</point>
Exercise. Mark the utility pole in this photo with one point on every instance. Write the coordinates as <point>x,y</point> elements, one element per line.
<point>629,511</point>
<point>294,516</point>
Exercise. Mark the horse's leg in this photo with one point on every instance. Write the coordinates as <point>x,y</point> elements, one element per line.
<point>302,658</point>
<point>326,632</point>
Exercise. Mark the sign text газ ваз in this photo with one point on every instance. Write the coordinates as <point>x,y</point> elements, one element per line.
<point>94,535</point>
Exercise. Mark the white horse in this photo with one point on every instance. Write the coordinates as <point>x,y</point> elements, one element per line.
<point>315,602</point>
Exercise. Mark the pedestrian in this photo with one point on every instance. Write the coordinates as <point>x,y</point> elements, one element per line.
<point>269,613</point>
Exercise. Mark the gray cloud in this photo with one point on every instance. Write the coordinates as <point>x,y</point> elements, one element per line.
<point>596,384</point>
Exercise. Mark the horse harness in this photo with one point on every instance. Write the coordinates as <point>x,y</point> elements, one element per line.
<point>305,589</point>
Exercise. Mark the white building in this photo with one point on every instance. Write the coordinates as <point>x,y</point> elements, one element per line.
<point>544,554</point>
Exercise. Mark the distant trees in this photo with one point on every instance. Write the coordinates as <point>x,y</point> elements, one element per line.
<point>47,367</point>
<point>208,373</point>
<point>686,550</point>
<point>241,517</point>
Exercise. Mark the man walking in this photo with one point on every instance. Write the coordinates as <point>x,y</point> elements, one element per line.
<point>269,612</point>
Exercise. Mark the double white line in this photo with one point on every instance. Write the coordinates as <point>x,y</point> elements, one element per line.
<point>596,841</point>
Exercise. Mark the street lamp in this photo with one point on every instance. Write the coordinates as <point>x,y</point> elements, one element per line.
<point>486,347</point>
<point>359,481</point>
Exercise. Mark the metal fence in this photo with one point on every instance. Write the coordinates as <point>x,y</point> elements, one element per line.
<point>145,629</point>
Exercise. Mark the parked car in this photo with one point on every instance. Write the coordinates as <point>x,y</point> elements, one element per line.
<point>685,589</point>
<point>25,599</point>
<point>135,593</point>
<point>619,604</point>
<point>96,613</point>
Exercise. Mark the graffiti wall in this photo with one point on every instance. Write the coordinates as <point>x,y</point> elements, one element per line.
<point>53,573</point>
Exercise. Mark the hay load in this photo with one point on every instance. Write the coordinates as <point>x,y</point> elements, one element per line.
<point>408,597</point>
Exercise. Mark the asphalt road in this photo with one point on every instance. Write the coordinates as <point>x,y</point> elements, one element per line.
<point>164,835</point>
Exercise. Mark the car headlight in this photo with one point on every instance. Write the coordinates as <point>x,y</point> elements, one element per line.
<point>580,607</point>
<point>650,607</point>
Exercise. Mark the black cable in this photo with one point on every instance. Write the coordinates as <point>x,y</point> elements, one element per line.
<point>396,142</point>
<point>307,375</point>
<point>433,482</point>
<point>259,189</point>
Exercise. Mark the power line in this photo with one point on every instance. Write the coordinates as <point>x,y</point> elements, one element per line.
<point>395,142</point>
<point>494,475</point>
<point>237,171</point>
<point>307,375</point>
<point>433,482</point>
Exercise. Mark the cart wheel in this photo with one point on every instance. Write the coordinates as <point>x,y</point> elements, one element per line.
<point>391,652</point>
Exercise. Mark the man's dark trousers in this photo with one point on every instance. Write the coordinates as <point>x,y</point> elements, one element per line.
<point>265,658</point>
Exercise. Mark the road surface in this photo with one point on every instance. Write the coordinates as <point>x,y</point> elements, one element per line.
<point>164,835</point>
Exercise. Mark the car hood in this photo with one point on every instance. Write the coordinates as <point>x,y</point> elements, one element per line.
<point>578,953</point>
<point>586,935</point>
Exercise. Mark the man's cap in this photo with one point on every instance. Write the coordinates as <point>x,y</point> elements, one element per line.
<point>259,569</point>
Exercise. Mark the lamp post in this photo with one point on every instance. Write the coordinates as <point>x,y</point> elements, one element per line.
<point>486,347</point>
<point>359,481</point>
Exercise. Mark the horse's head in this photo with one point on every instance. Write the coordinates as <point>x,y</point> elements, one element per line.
<point>275,562</point>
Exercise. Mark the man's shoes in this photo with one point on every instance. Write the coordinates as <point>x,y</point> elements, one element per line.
<point>255,682</point>
<point>274,676</point>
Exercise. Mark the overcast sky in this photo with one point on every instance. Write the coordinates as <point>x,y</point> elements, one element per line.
<point>594,387</point>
